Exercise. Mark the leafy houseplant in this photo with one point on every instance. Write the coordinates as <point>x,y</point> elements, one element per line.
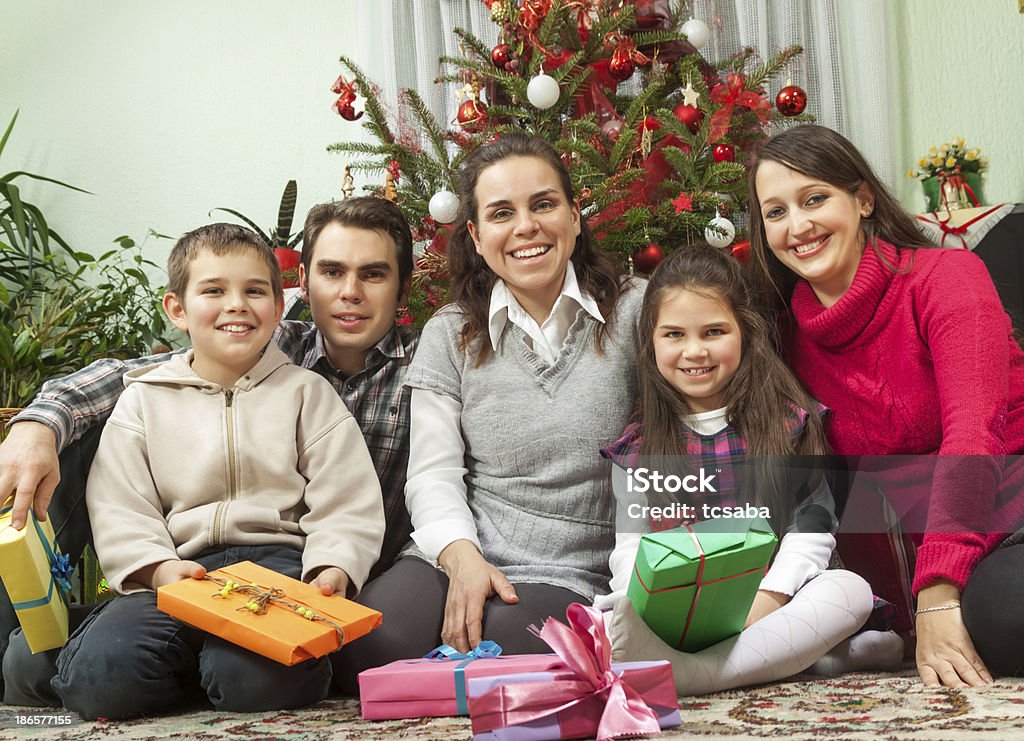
<point>286,245</point>
<point>60,309</point>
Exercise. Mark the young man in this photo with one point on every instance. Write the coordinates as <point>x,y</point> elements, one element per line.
<point>356,271</point>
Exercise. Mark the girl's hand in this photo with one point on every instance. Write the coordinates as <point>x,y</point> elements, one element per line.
<point>331,580</point>
<point>166,572</point>
<point>471,580</point>
<point>765,603</point>
<point>945,652</point>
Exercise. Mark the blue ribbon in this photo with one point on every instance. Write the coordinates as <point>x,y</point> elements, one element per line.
<point>485,650</point>
<point>60,569</point>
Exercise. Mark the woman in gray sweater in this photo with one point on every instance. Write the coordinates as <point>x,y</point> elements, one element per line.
<point>516,387</point>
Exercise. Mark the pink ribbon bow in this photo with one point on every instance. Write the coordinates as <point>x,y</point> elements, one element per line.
<point>584,647</point>
<point>729,95</point>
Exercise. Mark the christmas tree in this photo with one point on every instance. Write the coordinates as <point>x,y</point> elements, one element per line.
<point>656,167</point>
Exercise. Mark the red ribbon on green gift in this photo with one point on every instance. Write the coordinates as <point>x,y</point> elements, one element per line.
<point>728,95</point>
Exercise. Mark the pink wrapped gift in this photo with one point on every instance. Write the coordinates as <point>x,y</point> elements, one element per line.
<point>436,685</point>
<point>589,697</point>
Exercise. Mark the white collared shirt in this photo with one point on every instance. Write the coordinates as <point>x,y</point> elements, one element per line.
<point>546,339</point>
<point>435,491</point>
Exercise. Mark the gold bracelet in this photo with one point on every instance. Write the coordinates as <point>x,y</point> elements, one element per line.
<point>949,606</point>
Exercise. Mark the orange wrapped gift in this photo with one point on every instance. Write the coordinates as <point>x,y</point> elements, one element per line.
<point>274,615</point>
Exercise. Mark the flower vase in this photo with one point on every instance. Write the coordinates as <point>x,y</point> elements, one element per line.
<point>932,190</point>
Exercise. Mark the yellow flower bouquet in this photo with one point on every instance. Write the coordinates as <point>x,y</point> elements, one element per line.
<point>950,158</point>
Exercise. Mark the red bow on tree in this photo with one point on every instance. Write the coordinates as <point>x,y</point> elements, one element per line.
<point>531,16</point>
<point>624,49</point>
<point>347,96</point>
<point>729,95</point>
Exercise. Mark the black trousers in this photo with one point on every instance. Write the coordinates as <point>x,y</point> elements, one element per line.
<point>411,595</point>
<point>993,610</point>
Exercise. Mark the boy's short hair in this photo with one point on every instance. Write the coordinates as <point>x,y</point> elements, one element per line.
<point>219,239</point>
<point>363,212</point>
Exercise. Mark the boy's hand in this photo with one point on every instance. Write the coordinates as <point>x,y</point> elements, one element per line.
<point>765,603</point>
<point>167,572</point>
<point>29,469</point>
<point>331,580</point>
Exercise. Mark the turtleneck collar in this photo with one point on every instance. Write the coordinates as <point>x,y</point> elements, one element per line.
<point>846,321</point>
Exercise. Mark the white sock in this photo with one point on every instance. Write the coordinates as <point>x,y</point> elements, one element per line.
<point>826,610</point>
<point>879,650</point>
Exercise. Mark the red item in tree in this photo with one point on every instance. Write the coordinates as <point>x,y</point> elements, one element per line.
<point>647,259</point>
<point>689,115</point>
<point>724,153</point>
<point>791,100</point>
<point>741,251</point>
<point>501,55</point>
<point>612,128</point>
<point>650,123</point>
<point>683,203</point>
<point>556,59</point>
<point>347,112</point>
<point>728,95</point>
<point>289,260</point>
<point>472,115</point>
<point>621,68</point>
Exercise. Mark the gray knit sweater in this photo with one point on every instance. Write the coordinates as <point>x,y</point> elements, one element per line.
<point>538,487</point>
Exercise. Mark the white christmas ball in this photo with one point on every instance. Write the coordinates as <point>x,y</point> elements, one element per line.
<point>717,239</point>
<point>697,33</point>
<point>444,207</point>
<point>543,91</point>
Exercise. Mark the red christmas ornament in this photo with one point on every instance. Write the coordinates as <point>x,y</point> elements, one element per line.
<point>791,100</point>
<point>689,115</point>
<point>724,153</point>
<point>612,128</point>
<point>741,251</point>
<point>289,260</point>
<point>472,115</point>
<point>650,123</point>
<point>621,68</point>
<point>502,55</point>
<point>648,258</point>
<point>347,112</point>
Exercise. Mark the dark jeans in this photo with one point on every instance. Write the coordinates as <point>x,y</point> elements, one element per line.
<point>69,516</point>
<point>130,659</point>
<point>411,595</point>
<point>993,610</point>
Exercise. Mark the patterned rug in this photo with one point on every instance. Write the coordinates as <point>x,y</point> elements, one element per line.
<point>857,706</point>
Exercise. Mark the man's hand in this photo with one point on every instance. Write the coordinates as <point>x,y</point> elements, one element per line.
<point>471,581</point>
<point>29,469</point>
<point>945,652</point>
<point>331,580</point>
<point>765,603</point>
<point>167,572</point>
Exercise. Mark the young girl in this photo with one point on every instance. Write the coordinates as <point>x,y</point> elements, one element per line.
<point>912,351</point>
<point>712,389</point>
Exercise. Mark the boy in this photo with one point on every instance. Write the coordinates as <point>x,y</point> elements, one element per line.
<point>222,454</point>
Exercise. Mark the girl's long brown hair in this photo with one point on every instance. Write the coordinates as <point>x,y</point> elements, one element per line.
<point>758,396</point>
<point>472,280</point>
<point>825,155</point>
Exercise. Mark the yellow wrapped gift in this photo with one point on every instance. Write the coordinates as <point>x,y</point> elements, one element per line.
<point>37,578</point>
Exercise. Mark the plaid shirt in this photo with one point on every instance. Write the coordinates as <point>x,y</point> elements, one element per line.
<point>375,397</point>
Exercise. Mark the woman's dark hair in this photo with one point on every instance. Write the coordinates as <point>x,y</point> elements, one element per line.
<point>472,280</point>
<point>822,154</point>
<point>759,397</point>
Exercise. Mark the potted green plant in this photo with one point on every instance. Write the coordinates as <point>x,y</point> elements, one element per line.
<point>286,245</point>
<point>60,308</point>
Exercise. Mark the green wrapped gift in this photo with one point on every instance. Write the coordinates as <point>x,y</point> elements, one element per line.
<point>693,585</point>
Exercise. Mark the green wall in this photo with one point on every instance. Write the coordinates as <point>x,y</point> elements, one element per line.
<point>960,72</point>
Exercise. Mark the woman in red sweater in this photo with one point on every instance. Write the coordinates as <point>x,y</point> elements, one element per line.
<point>913,352</point>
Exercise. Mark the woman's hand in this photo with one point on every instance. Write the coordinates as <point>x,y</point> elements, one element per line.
<point>945,652</point>
<point>471,580</point>
<point>765,603</point>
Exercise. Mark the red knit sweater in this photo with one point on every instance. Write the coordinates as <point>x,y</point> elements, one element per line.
<point>921,360</point>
